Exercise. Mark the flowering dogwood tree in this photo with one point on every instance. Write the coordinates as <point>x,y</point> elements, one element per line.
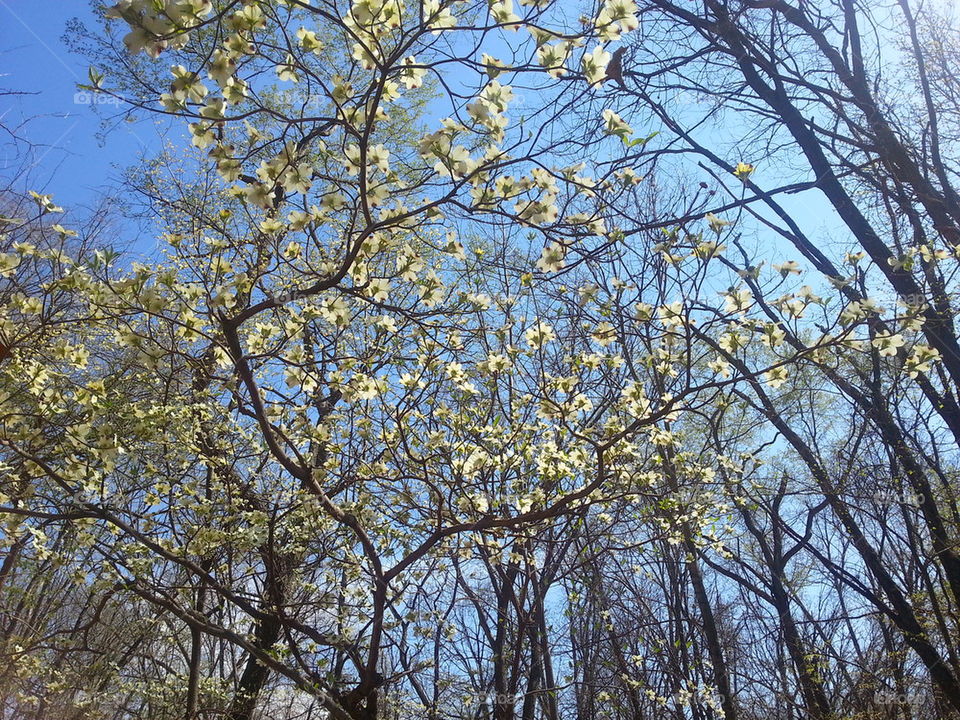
<point>354,371</point>
<point>448,392</point>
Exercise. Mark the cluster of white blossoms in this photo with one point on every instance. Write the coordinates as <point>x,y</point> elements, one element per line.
<point>337,205</point>
<point>489,109</point>
<point>616,18</point>
<point>159,26</point>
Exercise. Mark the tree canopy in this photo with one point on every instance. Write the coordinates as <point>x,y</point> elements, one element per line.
<point>561,360</point>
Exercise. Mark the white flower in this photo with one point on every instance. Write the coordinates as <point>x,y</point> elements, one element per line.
<point>386,323</point>
<point>920,359</point>
<point>791,266</point>
<point>613,124</point>
<point>539,334</point>
<point>720,366</point>
<point>888,345</point>
<point>502,13</point>
<point>379,289</point>
<point>551,259</point>
<point>411,75</point>
<point>309,41</point>
<point>738,300</point>
<point>775,377</point>
<point>604,334</point>
<point>362,387</point>
<point>594,65</point>
<point>495,363</point>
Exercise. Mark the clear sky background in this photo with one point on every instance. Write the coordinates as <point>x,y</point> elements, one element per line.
<point>78,164</point>
<point>68,159</point>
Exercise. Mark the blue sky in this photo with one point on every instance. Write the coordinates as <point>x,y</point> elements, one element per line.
<point>68,160</point>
